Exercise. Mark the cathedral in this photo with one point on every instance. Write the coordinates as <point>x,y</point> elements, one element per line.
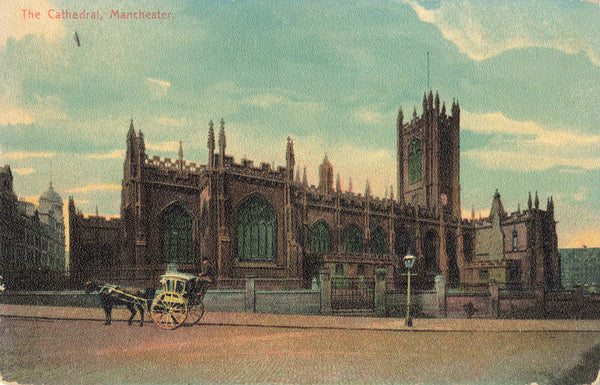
<point>256,220</point>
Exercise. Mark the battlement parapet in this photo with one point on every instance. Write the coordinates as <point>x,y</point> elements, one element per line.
<point>265,170</point>
<point>167,164</point>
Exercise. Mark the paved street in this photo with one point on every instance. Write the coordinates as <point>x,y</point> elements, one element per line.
<point>72,346</point>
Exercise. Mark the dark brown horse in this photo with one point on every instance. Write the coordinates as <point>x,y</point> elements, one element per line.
<point>112,295</point>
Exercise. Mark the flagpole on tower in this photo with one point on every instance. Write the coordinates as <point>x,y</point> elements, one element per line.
<point>428,87</point>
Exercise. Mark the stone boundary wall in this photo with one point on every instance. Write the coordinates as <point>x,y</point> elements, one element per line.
<point>218,300</point>
<point>438,303</point>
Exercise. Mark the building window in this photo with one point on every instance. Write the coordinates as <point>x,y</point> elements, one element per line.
<point>353,240</point>
<point>515,239</point>
<point>320,239</point>
<point>484,275</point>
<point>514,275</point>
<point>256,230</point>
<point>178,236</point>
<point>339,269</point>
<point>403,244</point>
<point>415,161</point>
<point>378,242</point>
<point>430,251</point>
<point>360,270</point>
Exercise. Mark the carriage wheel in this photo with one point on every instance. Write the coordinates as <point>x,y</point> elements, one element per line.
<point>194,314</point>
<point>169,310</point>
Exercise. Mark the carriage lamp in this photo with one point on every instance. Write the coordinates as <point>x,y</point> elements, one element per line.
<point>409,262</point>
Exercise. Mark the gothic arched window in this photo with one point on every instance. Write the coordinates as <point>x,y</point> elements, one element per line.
<point>256,230</point>
<point>320,238</point>
<point>404,244</point>
<point>415,161</point>
<point>430,251</point>
<point>353,240</point>
<point>378,242</point>
<point>178,236</point>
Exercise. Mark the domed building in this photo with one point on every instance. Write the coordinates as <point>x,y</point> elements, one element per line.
<point>32,238</point>
<point>50,208</point>
<point>50,213</point>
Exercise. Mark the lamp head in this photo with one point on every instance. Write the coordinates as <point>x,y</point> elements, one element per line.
<point>409,261</point>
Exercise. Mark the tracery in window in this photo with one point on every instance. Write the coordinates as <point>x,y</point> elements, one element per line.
<point>178,236</point>
<point>378,242</point>
<point>415,161</point>
<point>256,230</point>
<point>320,238</point>
<point>353,240</point>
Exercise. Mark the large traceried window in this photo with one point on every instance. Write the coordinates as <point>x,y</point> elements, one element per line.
<point>256,230</point>
<point>320,238</point>
<point>178,236</point>
<point>353,240</point>
<point>430,251</point>
<point>378,242</point>
<point>404,244</point>
<point>415,161</point>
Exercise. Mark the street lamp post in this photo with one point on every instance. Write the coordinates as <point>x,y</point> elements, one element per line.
<point>409,262</point>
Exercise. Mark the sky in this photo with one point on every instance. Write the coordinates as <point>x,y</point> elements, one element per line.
<point>331,75</point>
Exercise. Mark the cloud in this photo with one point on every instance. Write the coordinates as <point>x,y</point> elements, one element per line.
<point>529,145</point>
<point>117,154</point>
<point>497,123</point>
<point>485,29</point>
<point>365,115</point>
<point>48,108</point>
<point>158,88</point>
<point>580,195</point>
<point>95,187</point>
<point>24,171</point>
<point>161,83</point>
<point>20,155</point>
<point>513,160</point>
<point>13,25</point>
<point>11,114</point>
<point>13,110</point>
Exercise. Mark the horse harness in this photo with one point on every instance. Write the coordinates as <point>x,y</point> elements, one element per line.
<point>120,294</point>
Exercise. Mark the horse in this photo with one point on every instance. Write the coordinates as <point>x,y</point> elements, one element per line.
<point>112,295</point>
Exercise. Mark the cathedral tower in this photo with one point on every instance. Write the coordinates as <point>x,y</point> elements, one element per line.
<point>428,157</point>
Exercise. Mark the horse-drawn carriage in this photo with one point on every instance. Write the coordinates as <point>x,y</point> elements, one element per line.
<point>179,301</point>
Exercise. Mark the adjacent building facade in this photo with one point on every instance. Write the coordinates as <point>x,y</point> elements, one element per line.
<point>268,222</point>
<point>581,267</point>
<point>95,245</point>
<point>31,238</point>
<point>518,251</point>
